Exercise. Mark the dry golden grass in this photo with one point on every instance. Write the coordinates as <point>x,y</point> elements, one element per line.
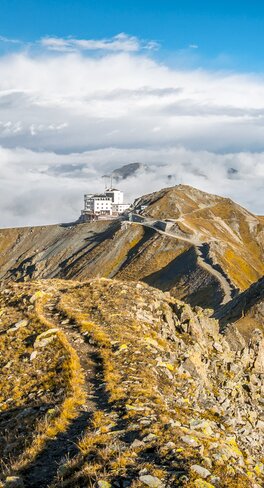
<point>27,379</point>
<point>148,397</point>
<point>75,392</point>
<point>38,383</point>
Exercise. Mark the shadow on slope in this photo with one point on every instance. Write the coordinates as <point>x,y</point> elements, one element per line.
<point>241,304</point>
<point>16,429</point>
<point>205,254</point>
<point>67,266</point>
<point>134,251</point>
<point>187,280</point>
<point>44,469</point>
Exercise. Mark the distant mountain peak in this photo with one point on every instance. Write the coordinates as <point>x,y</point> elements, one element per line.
<point>126,171</point>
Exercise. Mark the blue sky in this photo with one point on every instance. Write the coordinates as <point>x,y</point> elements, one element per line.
<point>228,34</point>
<point>88,86</point>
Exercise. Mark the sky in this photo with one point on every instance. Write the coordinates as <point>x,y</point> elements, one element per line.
<point>88,86</point>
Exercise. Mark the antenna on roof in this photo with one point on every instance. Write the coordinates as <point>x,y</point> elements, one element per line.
<point>104,179</point>
<point>111,181</point>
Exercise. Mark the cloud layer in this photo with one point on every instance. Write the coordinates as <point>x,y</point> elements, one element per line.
<point>76,108</point>
<point>120,42</point>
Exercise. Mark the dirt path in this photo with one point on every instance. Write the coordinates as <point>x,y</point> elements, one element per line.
<point>42,472</point>
<point>225,285</point>
<point>148,224</point>
<point>201,259</point>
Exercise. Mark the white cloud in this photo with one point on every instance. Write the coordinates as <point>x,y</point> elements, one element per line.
<point>66,118</point>
<point>43,187</point>
<point>10,41</point>
<point>120,42</point>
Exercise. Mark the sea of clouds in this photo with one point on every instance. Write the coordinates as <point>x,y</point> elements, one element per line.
<point>72,110</point>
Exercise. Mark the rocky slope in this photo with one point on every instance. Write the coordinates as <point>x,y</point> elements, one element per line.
<point>235,236</point>
<point>149,393</point>
<point>246,310</point>
<point>213,250</point>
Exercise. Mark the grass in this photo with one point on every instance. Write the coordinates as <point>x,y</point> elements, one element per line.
<point>71,377</point>
<point>152,403</point>
<point>138,389</point>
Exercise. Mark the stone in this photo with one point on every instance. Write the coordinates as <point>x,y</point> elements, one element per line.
<point>170,445</point>
<point>37,295</point>
<point>187,439</point>
<point>103,484</point>
<point>196,367</point>
<point>21,323</point>
<point>151,481</point>
<point>217,346</point>
<point>260,425</point>
<point>126,483</point>
<point>200,470</point>
<point>174,423</point>
<point>46,338</point>
<point>235,340</point>
<point>18,325</point>
<point>33,355</point>
<point>14,482</point>
<point>215,480</point>
<point>8,365</point>
<point>26,412</point>
<point>146,422</point>
<point>136,443</point>
<point>149,438</point>
<point>143,471</point>
<point>259,362</point>
<point>203,425</point>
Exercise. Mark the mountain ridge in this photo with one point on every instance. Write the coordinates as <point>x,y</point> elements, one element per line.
<point>209,237</point>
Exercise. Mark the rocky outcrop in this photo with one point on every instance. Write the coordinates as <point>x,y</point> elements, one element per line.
<point>173,403</point>
<point>249,304</point>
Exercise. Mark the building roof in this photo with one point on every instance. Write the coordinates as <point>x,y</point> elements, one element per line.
<point>98,195</point>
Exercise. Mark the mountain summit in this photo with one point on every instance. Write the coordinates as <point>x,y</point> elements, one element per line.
<point>211,249</point>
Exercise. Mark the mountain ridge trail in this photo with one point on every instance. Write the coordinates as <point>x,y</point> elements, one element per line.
<point>44,469</point>
<point>224,283</point>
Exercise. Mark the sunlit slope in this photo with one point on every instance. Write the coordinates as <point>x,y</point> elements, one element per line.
<point>236,236</point>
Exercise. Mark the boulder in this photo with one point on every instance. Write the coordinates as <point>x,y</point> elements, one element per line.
<point>151,481</point>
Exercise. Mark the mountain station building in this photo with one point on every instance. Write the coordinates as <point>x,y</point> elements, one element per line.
<point>103,206</point>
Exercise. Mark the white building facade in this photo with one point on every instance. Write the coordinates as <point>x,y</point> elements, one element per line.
<point>116,196</point>
<point>97,204</point>
<point>104,205</point>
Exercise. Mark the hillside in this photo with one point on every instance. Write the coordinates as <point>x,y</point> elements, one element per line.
<point>213,249</point>
<point>125,386</point>
<point>236,236</point>
<point>246,310</point>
